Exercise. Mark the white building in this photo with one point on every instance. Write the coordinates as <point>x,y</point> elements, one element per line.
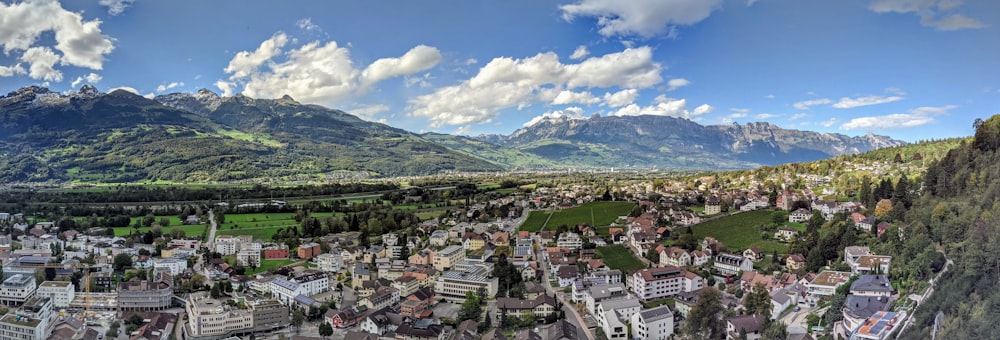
<point>612,315</point>
<point>569,240</point>
<point>174,266</point>
<point>452,285</point>
<point>211,317</point>
<point>597,294</point>
<point>730,264</point>
<point>658,283</point>
<point>248,257</point>
<point>653,324</point>
<point>448,257</point>
<point>285,291</point>
<point>16,289</point>
<point>30,322</point>
<point>329,263</point>
<point>825,284</point>
<point>60,292</point>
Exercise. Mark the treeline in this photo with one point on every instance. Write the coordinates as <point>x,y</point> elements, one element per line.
<point>142,194</point>
<point>961,213</point>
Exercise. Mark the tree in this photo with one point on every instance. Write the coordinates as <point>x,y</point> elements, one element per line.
<point>775,331</point>
<point>705,317</point>
<point>758,301</point>
<point>216,292</point>
<point>297,319</point>
<point>883,208</point>
<point>652,255</point>
<point>325,329</point>
<point>122,261</point>
<point>470,310</point>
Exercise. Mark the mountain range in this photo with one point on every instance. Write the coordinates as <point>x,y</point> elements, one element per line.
<point>90,136</point>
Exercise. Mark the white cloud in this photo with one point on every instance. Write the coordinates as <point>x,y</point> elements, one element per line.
<point>368,112</point>
<point>463,130</point>
<point>420,81</point>
<point>828,122</point>
<point>316,72</point>
<point>470,61</point>
<point>42,61</point>
<point>92,78</point>
<point>849,103</point>
<point>804,105</point>
<point>736,115</point>
<point>895,90</point>
<point>173,85</point>
<point>125,88</point>
<point>580,53</point>
<point>912,118</point>
<point>751,2</point>
<point>307,24</point>
<point>764,116</point>
<point>646,18</point>
<point>79,43</point>
<point>621,98</point>
<point>939,14</point>
<point>244,63</point>
<point>569,97</point>
<point>7,71</point>
<point>797,116</point>
<point>567,113</point>
<point>770,96</point>
<point>663,106</point>
<point>116,7</point>
<point>417,59</point>
<point>744,111</point>
<point>508,83</point>
<point>677,83</point>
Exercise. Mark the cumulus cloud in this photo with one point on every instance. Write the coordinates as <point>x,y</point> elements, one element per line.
<point>307,24</point>
<point>315,72</point>
<point>78,42</point>
<point>567,113</point>
<point>677,83</point>
<point>804,105</point>
<point>743,111</point>
<point>569,97</point>
<point>463,130</point>
<point>912,118</point>
<point>92,78</point>
<point>620,98</point>
<point>848,103</point>
<point>764,116</point>
<point>417,59</point>
<point>580,53</point>
<point>646,18</point>
<point>939,14</point>
<point>797,116</point>
<point>663,106</point>
<point>517,83</point>
<point>751,2</point>
<point>368,112</point>
<point>42,61</point>
<point>116,7</point>
<point>770,96</point>
<point>828,122</point>
<point>173,85</point>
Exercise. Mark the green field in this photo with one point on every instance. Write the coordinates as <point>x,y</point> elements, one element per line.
<point>255,221</point>
<point>189,230</point>
<point>739,232</point>
<point>593,213</point>
<point>174,220</point>
<point>262,233</point>
<point>617,257</point>
<point>266,265</point>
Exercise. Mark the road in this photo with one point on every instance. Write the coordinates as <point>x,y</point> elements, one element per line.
<point>211,230</point>
<point>568,307</point>
<point>930,290</point>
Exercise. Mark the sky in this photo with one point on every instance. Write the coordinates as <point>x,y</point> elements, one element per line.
<point>910,69</point>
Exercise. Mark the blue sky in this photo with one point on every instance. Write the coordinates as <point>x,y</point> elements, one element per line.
<point>910,69</point>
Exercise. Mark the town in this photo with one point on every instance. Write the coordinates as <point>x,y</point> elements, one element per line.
<point>778,255</point>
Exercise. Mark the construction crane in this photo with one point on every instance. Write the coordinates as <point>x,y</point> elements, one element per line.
<point>86,280</point>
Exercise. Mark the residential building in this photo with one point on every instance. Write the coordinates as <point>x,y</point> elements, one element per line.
<point>329,263</point>
<point>699,258</point>
<point>825,284</point>
<point>423,329</point>
<point>208,317</point>
<point>853,253</point>
<point>60,292</point>
<point>658,283</point>
<point>729,264</point>
<point>751,325</point>
<point>569,240</point>
<point>653,324</point>
<point>174,266</point>
<point>229,244</point>
<point>345,318</point>
<point>383,297</point>
<point>674,256</point>
<point>799,216</point>
<point>406,285</point>
<point>540,307</point>
<point>194,243</point>
<point>308,250</point>
<point>858,308</point>
<point>596,294</point>
<point>872,285</point>
<point>278,251</point>
<point>439,238</point>
<point>612,315</point>
<point>248,257</point>
<point>452,285</point>
<point>423,257</point>
<point>713,205</point>
<point>786,233</point>
<point>16,289</point>
<point>448,257</point>
<point>269,315</point>
<point>30,322</point>
<point>561,330</point>
<point>146,295</point>
<point>877,327</point>
<point>361,273</point>
<point>415,304</point>
<point>472,241</point>
<point>285,290</point>
<point>795,261</point>
<point>870,264</point>
<point>381,322</point>
<point>753,253</point>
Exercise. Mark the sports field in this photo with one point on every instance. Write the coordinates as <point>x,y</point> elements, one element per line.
<point>597,214</point>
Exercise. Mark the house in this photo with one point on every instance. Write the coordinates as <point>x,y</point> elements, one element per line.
<point>569,240</point>
<point>699,258</point>
<point>612,315</point>
<point>561,330</point>
<point>674,256</point>
<point>540,307</point>
<point>751,325</point>
<point>653,324</point>
<point>439,238</point>
<point>799,216</point>
<point>869,264</point>
<point>345,318</point>
<point>881,228</point>
<point>713,205</point>
<point>308,250</point>
<point>853,253</point>
<point>472,241</point>
<point>786,233</point>
<point>416,303</point>
<point>657,283</point>
<point>877,327</point>
<point>568,274</point>
<point>420,330</point>
<point>501,239</point>
<point>753,253</point>
<point>795,261</point>
<point>596,294</point>
<point>710,245</point>
<point>825,284</point>
<point>381,322</point>
<point>862,221</point>
<point>872,285</point>
<point>729,264</point>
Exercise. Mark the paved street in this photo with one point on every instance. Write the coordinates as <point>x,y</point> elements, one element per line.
<point>571,313</point>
